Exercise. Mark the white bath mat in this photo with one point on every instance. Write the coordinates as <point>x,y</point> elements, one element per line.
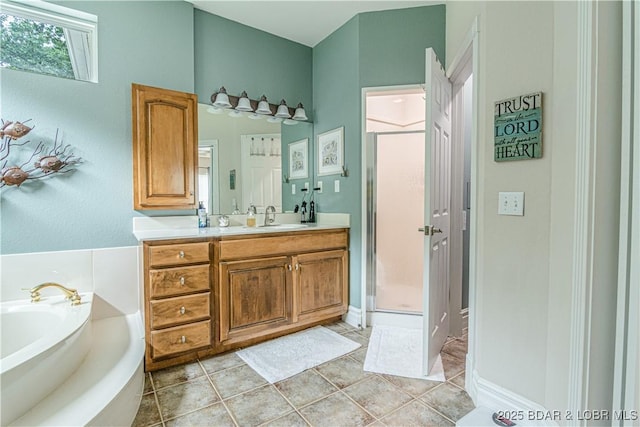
<point>398,351</point>
<point>287,356</point>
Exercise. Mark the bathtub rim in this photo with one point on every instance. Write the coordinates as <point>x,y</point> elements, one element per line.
<point>69,326</point>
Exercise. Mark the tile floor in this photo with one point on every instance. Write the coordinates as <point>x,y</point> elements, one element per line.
<point>225,391</point>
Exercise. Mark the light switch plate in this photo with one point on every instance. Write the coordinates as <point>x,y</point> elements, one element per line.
<point>320,187</point>
<point>511,203</point>
<point>293,189</point>
<point>306,185</point>
<point>336,186</point>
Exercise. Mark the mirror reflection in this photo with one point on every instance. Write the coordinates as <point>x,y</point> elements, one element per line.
<point>241,160</point>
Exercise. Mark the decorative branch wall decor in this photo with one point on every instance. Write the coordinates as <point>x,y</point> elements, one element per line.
<point>56,159</point>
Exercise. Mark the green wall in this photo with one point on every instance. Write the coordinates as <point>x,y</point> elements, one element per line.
<point>240,58</point>
<point>92,208</point>
<point>373,49</point>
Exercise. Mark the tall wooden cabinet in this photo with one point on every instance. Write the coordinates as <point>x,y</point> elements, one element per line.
<point>165,146</point>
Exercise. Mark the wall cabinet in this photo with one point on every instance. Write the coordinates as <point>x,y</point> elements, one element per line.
<point>165,132</point>
<point>222,293</point>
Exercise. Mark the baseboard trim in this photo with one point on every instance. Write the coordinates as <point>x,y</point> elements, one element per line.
<point>496,398</point>
<point>353,317</point>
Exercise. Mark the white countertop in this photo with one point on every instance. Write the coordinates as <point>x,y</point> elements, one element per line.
<point>235,230</point>
<point>178,227</point>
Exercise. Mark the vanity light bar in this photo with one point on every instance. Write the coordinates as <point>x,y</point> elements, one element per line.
<point>222,100</point>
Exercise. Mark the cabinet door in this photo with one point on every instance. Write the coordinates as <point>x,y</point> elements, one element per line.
<point>255,297</point>
<point>321,284</point>
<point>164,148</point>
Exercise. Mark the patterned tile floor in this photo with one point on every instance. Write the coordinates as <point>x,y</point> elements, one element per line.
<point>225,391</point>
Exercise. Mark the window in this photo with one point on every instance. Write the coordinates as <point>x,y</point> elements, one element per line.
<point>49,39</point>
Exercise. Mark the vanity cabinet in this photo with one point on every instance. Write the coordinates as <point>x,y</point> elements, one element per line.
<point>178,302</point>
<point>165,148</point>
<point>270,284</point>
<point>208,295</point>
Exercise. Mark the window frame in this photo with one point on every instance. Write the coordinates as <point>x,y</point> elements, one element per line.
<point>67,19</point>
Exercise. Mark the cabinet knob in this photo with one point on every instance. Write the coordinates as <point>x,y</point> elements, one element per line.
<point>297,267</point>
<point>183,339</point>
<point>181,254</point>
<point>181,280</point>
<point>182,310</point>
<point>289,267</point>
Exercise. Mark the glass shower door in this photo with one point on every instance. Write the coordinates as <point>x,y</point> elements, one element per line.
<point>398,192</point>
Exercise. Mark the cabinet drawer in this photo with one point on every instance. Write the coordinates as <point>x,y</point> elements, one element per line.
<point>282,245</point>
<point>179,254</point>
<point>174,311</point>
<point>180,339</point>
<point>178,281</point>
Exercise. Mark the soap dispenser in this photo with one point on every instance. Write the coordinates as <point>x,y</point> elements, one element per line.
<point>251,216</point>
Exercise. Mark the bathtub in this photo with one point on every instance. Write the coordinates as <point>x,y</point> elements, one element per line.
<point>53,355</point>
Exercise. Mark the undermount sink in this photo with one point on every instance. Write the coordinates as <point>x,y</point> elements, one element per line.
<point>283,226</point>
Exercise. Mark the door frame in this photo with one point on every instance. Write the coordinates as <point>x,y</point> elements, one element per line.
<point>364,252</point>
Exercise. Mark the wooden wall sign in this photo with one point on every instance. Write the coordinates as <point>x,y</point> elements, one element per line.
<point>518,128</point>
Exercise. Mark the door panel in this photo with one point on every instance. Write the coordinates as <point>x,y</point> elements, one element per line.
<point>320,283</point>
<point>437,202</point>
<point>261,172</point>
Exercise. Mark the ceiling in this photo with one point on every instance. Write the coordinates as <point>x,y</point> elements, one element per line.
<point>304,21</point>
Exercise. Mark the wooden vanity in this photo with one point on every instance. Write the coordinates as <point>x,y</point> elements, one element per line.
<point>207,295</point>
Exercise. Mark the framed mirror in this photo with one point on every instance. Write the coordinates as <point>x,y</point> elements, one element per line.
<point>244,161</point>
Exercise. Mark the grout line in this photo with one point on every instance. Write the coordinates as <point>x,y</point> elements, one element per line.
<point>215,389</point>
<point>295,408</point>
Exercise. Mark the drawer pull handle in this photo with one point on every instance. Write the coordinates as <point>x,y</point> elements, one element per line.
<point>181,254</point>
<point>183,339</point>
<point>182,281</point>
<point>182,310</point>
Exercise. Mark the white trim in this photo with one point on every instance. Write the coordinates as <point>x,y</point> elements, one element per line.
<point>582,276</point>
<point>400,320</point>
<point>496,398</point>
<point>627,350</point>
<point>353,317</point>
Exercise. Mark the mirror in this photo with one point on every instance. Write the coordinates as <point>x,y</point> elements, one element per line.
<point>242,161</point>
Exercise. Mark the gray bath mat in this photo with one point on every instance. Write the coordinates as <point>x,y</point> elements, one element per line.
<point>287,356</point>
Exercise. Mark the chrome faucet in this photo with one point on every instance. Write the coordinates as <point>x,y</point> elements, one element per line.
<point>70,294</point>
<point>269,215</point>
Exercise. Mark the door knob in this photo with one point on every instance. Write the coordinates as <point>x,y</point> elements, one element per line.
<point>429,230</point>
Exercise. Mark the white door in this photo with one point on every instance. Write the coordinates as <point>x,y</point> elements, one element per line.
<point>436,210</point>
<point>261,172</point>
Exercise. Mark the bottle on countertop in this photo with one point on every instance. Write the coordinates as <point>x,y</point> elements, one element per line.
<point>202,215</point>
<point>251,216</point>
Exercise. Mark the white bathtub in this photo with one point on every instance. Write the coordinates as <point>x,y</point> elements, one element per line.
<point>51,363</point>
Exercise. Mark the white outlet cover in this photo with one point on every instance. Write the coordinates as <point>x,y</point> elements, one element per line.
<point>320,187</point>
<point>511,203</point>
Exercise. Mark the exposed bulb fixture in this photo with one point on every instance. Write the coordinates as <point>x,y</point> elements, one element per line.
<point>300,114</point>
<point>244,104</point>
<point>263,106</point>
<point>283,110</point>
<point>222,99</point>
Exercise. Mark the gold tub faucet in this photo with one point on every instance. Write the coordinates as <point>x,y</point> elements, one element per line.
<point>71,294</point>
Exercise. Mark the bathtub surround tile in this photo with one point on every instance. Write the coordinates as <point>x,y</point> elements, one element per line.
<point>176,375</point>
<point>214,415</point>
<point>336,410</point>
<point>115,279</point>
<point>305,387</point>
<point>258,406</point>
<point>449,400</point>
<point>236,380</point>
<point>186,397</point>
<point>416,414</point>
<point>69,268</point>
<point>148,413</point>
<point>377,396</point>
<point>336,393</point>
